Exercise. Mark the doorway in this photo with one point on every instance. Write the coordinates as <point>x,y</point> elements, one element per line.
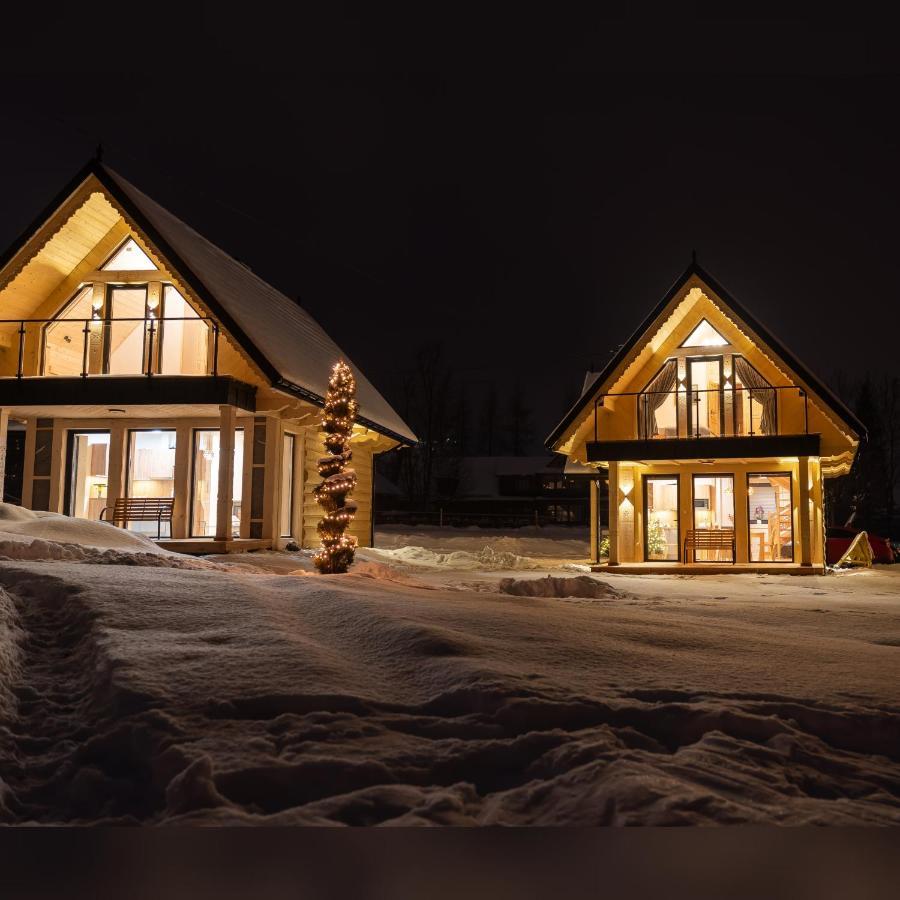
<point>714,511</point>
<point>87,473</point>
<point>705,399</point>
<point>661,518</point>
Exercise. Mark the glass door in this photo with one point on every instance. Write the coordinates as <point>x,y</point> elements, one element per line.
<point>705,397</point>
<point>205,484</point>
<point>151,469</point>
<point>661,518</point>
<point>769,517</point>
<point>714,511</point>
<point>88,473</point>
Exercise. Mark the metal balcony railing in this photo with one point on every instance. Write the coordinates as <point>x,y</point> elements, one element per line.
<point>690,411</point>
<point>96,343</point>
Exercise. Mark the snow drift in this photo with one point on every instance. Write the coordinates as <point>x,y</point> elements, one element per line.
<point>140,695</point>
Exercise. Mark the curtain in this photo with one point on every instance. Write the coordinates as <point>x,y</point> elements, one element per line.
<point>763,393</point>
<point>655,394</point>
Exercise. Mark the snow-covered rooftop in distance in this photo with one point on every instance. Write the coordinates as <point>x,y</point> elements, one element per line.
<point>286,335</point>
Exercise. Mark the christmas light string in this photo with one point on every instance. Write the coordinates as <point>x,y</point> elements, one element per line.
<point>338,481</point>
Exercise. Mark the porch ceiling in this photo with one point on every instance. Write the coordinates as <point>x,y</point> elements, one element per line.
<point>155,412</point>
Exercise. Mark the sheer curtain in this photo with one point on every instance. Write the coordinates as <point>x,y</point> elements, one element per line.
<point>763,393</point>
<point>655,395</point>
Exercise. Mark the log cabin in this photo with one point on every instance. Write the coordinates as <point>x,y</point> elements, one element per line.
<point>715,441</point>
<point>141,361</point>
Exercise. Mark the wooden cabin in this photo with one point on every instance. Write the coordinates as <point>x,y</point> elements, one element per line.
<point>715,441</point>
<point>142,361</point>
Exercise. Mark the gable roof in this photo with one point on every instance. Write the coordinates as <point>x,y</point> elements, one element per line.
<point>284,341</point>
<point>694,269</point>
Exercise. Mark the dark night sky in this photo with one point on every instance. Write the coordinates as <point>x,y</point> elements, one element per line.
<point>525,191</point>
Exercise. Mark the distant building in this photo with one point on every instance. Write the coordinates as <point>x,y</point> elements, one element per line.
<point>504,491</point>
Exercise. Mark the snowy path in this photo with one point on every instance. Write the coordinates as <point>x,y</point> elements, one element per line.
<point>413,695</point>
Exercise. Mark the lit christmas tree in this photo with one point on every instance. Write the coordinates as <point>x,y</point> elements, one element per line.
<point>338,481</point>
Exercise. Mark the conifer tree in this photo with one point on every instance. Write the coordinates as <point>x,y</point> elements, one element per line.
<point>338,481</point>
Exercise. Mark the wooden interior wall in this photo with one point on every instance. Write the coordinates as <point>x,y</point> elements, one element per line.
<point>363,460</point>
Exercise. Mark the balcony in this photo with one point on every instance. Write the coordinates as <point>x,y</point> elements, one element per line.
<point>715,423</point>
<point>128,346</point>
<point>121,361</point>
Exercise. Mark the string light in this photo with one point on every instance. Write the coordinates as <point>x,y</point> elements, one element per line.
<point>338,482</point>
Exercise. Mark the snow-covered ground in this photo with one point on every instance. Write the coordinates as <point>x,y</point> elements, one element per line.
<point>440,685</point>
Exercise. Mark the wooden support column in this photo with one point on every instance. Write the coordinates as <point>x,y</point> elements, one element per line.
<point>57,468</point>
<point>803,511</point>
<point>181,513</point>
<point>4,426</point>
<point>115,482</point>
<point>741,522</point>
<point>595,521</point>
<point>227,420</point>
<point>613,514</point>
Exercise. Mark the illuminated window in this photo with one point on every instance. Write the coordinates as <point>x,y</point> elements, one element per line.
<point>769,517</point>
<point>657,406</point>
<point>704,335</point>
<point>151,469</point>
<point>661,518</point>
<point>705,396</point>
<point>129,258</point>
<point>205,488</point>
<point>287,485</point>
<point>88,471</point>
<point>755,404</point>
<point>64,339</point>
<point>714,511</point>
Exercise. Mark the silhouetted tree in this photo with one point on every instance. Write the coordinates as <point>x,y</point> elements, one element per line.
<point>520,431</point>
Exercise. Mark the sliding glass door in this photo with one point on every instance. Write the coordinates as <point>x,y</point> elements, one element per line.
<point>205,483</point>
<point>151,469</point>
<point>88,473</point>
<point>714,511</point>
<point>769,517</point>
<point>661,518</point>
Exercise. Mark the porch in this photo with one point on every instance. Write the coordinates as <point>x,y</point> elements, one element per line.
<point>706,568</point>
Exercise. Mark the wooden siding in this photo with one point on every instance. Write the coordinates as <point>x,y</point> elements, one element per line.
<point>363,460</point>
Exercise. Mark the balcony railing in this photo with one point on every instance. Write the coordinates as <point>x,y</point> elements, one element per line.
<point>689,406</point>
<point>97,353</point>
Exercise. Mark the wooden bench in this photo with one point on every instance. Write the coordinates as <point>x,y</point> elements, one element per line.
<point>709,539</point>
<point>141,509</point>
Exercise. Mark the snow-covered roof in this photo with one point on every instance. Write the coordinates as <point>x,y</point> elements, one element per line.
<point>290,340</point>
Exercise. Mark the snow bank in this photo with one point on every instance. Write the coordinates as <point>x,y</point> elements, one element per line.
<point>552,542</point>
<point>487,559</point>
<point>32,535</point>
<point>582,586</point>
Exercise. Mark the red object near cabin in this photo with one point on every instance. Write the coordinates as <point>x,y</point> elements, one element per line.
<point>838,540</point>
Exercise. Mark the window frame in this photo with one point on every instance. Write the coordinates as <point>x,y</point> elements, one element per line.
<point>128,433</point>
<point>70,459</point>
<point>192,481</point>
<point>694,477</point>
<point>660,476</point>
<point>690,392</point>
<point>790,478</point>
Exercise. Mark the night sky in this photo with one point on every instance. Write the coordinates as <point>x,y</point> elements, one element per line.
<point>522,191</point>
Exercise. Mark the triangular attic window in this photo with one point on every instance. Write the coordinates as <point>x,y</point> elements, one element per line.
<point>129,258</point>
<point>704,335</point>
